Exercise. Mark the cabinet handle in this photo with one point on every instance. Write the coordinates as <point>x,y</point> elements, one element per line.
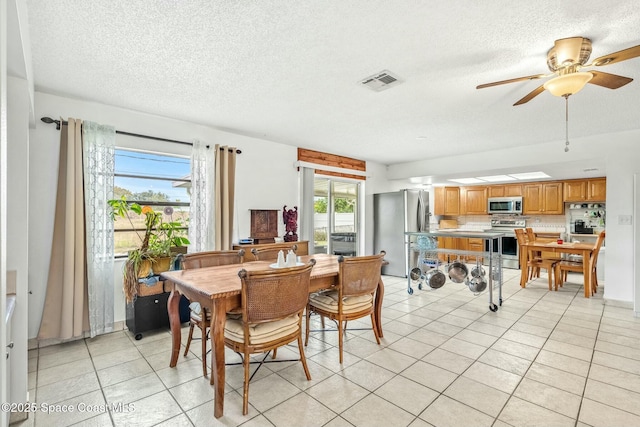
<point>156,301</point>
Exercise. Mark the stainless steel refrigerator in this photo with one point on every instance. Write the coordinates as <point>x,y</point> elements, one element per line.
<point>394,214</point>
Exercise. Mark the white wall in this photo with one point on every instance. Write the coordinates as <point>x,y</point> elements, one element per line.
<point>265,177</point>
<point>18,227</point>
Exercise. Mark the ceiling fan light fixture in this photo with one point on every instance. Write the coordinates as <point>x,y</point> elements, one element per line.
<point>568,84</point>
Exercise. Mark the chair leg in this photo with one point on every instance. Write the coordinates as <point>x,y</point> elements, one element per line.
<point>186,350</point>
<point>307,317</point>
<point>550,274</point>
<point>203,330</point>
<point>245,393</point>
<point>303,358</point>
<point>275,353</point>
<point>375,329</point>
<point>340,339</point>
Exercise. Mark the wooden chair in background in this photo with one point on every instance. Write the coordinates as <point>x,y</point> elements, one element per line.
<point>270,253</point>
<point>353,297</point>
<point>202,317</point>
<point>535,261</point>
<point>564,266</point>
<point>273,303</point>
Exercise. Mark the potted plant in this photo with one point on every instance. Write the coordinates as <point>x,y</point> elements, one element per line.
<point>156,250</point>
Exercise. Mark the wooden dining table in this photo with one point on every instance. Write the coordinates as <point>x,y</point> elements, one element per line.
<point>584,249</point>
<point>218,289</point>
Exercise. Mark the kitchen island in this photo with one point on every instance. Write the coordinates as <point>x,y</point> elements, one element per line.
<point>423,242</point>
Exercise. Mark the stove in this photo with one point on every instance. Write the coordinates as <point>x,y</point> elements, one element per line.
<point>507,225</point>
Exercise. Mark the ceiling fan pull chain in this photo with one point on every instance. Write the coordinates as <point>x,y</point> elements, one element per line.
<point>566,110</point>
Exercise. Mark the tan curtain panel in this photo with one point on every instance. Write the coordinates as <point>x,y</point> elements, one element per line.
<point>66,313</point>
<point>225,178</point>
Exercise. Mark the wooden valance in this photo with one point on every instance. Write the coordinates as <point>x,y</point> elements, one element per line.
<point>333,160</point>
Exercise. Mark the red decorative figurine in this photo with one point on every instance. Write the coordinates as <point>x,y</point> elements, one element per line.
<point>290,218</point>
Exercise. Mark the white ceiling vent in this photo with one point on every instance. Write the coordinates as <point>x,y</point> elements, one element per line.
<point>381,81</point>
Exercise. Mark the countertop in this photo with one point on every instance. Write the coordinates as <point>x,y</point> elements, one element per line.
<point>458,232</point>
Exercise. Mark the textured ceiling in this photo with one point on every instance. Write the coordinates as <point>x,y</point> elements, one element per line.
<point>289,71</point>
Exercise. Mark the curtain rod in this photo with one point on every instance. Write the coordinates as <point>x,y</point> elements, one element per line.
<point>58,123</point>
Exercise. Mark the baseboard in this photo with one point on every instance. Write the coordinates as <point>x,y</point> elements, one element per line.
<point>35,343</point>
<point>617,303</point>
<point>17,417</point>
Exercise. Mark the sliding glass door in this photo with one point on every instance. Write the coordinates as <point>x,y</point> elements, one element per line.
<point>336,216</point>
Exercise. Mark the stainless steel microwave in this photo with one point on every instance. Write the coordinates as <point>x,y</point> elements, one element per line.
<point>504,205</point>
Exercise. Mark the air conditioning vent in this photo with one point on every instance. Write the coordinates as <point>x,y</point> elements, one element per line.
<point>381,81</point>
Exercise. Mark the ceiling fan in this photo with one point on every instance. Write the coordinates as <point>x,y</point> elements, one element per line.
<point>566,59</point>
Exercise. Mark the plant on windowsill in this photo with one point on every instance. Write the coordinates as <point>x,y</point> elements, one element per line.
<point>156,250</point>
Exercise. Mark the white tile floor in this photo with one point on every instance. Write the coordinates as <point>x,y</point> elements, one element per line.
<point>543,359</point>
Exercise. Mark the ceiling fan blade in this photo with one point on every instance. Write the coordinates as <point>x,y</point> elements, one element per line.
<point>518,79</point>
<point>622,55</point>
<point>537,91</point>
<point>611,81</point>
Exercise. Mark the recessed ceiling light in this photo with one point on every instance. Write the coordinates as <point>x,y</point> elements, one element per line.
<point>589,170</point>
<point>529,175</point>
<point>467,180</point>
<point>497,178</point>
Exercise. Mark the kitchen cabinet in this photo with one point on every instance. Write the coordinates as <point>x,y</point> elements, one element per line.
<point>474,245</point>
<point>575,191</point>
<point>447,201</point>
<point>543,198</point>
<point>509,190</point>
<point>447,243</point>
<point>474,200</point>
<point>597,190</point>
<point>585,190</point>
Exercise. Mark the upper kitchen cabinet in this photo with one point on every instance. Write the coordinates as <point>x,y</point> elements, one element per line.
<point>510,190</point>
<point>543,198</point>
<point>597,190</point>
<point>585,190</point>
<point>473,201</point>
<point>446,201</point>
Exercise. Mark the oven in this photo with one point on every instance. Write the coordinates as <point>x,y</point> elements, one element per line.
<point>510,252</point>
<point>509,248</point>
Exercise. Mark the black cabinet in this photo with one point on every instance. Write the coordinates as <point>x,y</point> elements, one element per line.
<point>150,312</point>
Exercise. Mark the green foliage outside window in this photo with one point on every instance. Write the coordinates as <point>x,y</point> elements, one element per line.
<point>341,205</point>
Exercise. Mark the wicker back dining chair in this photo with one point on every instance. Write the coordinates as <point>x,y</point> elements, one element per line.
<point>201,316</point>
<point>353,297</point>
<point>273,303</point>
<point>270,253</point>
<point>564,266</point>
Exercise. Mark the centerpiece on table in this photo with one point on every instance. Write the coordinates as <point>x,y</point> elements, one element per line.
<point>157,246</point>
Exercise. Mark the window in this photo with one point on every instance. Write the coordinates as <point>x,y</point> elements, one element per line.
<point>157,180</point>
<point>335,217</point>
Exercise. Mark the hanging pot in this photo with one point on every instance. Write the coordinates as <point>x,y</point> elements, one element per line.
<point>435,278</point>
<point>458,272</point>
<point>477,284</point>
<point>415,274</point>
<point>478,271</point>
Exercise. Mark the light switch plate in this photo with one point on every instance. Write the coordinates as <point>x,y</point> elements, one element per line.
<point>625,219</point>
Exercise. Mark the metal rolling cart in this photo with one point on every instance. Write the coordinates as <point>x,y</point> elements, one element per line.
<point>428,256</point>
<point>425,248</point>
